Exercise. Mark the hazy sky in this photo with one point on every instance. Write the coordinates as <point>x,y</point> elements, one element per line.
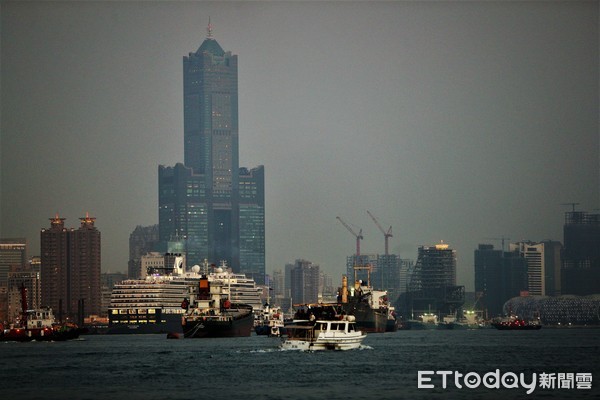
<point>454,121</point>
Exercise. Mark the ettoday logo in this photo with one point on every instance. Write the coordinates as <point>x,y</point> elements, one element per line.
<point>508,380</point>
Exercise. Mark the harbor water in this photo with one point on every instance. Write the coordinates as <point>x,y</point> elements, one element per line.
<point>386,367</point>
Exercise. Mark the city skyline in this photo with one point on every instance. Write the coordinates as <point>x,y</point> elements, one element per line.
<point>449,121</point>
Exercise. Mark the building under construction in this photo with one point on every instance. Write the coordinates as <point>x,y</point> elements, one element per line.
<point>580,271</point>
<point>432,284</point>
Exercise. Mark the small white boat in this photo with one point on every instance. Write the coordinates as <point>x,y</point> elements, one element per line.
<point>323,335</point>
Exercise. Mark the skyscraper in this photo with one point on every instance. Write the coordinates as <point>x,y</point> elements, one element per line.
<point>581,257</point>
<point>305,282</point>
<point>499,276</point>
<point>70,270</point>
<point>208,203</point>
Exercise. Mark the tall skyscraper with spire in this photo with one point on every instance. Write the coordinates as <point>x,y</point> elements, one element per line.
<point>209,205</point>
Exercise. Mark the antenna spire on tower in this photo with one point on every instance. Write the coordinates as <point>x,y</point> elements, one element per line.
<point>209,29</point>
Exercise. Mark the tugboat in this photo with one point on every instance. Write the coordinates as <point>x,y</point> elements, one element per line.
<point>323,330</point>
<point>210,312</point>
<point>38,325</point>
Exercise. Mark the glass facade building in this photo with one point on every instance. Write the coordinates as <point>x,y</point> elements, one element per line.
<point>210,205</point>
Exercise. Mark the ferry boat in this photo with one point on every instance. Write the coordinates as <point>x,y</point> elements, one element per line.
<point>323,330</point>
<point>514,323</point>
<point>154,304</point>
<point>210,312</point>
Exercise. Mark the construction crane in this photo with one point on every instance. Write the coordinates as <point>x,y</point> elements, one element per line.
<point>387,235</point>
<point>358,236</point>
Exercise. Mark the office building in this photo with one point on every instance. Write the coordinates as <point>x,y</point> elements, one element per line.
<point>208,203</point>
<point>13,253</point>
<point>305,282</point>
<point>499,276</point>
<point>543,266</point>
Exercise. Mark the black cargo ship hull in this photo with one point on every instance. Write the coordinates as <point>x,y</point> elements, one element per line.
<point>368,319</point>
<point>211,327</point>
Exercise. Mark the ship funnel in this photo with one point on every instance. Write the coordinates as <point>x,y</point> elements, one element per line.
<point>344,289</point>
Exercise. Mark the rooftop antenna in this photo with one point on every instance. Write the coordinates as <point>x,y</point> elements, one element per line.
<point>209,29</point>
<point>502,239</point>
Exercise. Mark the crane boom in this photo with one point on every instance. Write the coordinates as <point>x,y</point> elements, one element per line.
<point>358,236</point>
<point>386,235</point>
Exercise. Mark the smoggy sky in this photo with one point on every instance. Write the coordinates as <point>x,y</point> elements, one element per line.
<point>454,121</point>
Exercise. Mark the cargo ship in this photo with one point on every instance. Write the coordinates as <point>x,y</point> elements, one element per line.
<point>211,313</point>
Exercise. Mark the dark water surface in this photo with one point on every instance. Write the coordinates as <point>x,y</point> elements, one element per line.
<point>386,367</point>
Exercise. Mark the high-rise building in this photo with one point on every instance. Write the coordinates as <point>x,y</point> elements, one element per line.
<point>13,253</point>
<point>208,203</point>
<point>142,240</point>
<point>580,272</point>
<point>305,282</point>
<point>499,276</point>
<point>543,266</point>
<point>70,268</point>
<point>432,286</point>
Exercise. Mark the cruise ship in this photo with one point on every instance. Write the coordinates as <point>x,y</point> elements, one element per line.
<point>156,304</point>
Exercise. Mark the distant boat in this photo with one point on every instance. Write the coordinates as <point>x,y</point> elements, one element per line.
<point>424,321</point>
<point>269,321</point>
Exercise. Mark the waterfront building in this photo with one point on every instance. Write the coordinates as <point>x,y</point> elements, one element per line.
<point>562,310</point>
<point>499,276</point>
<point>580,273</point>
<point>432,286</point>
<point>70,268</point>
<point>305,282</point>
<point>142,240</point>
<point>208,203</point>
